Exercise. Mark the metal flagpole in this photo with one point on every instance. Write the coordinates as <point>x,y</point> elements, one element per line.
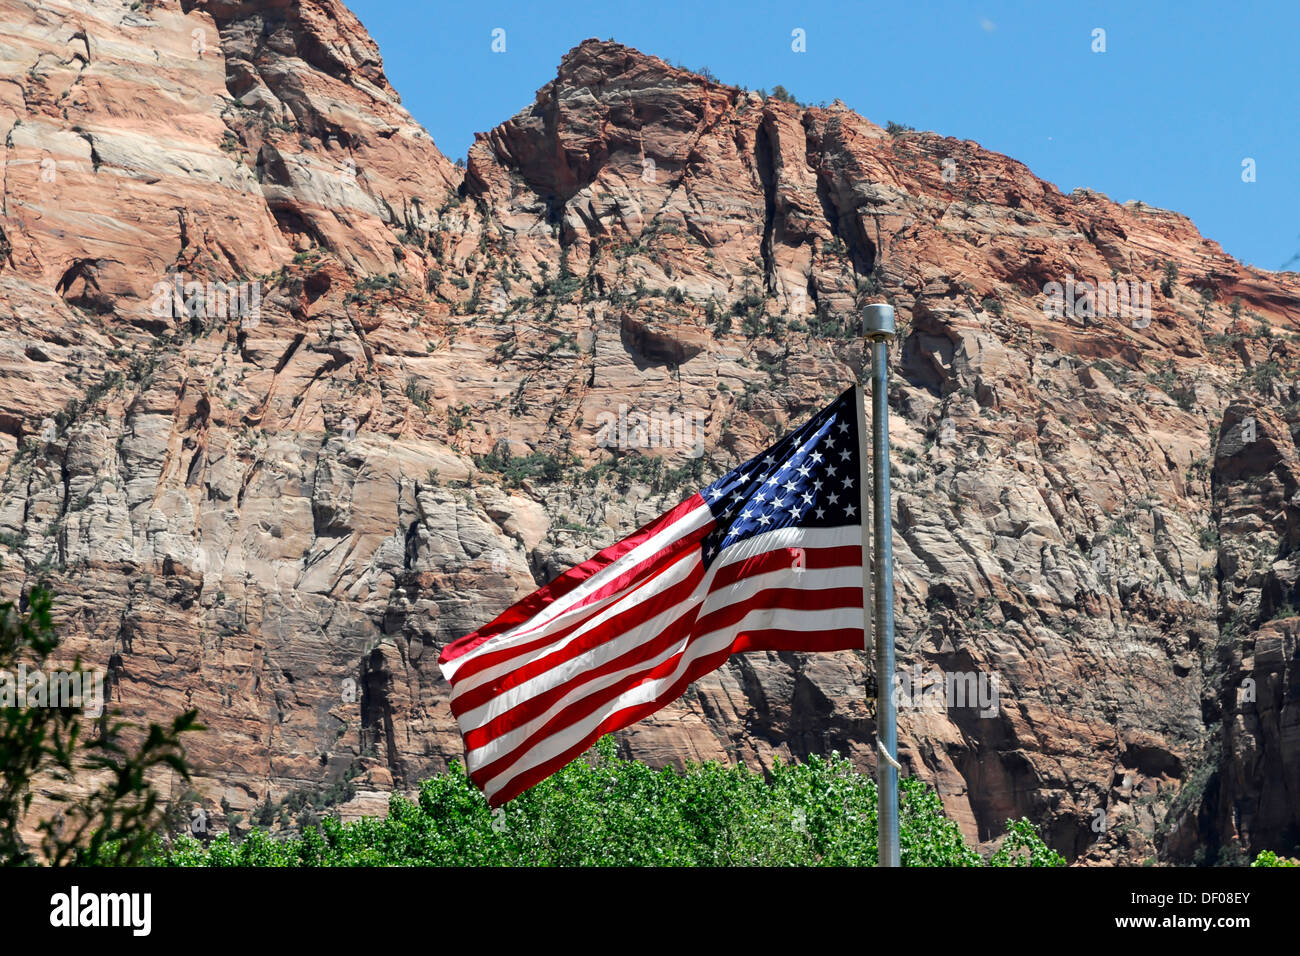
<point>878,327</point>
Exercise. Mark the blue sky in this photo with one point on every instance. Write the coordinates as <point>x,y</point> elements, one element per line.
<point>1182,95</point>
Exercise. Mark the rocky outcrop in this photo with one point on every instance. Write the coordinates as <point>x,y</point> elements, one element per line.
<point>288,401</point>
<point>1240,796</point>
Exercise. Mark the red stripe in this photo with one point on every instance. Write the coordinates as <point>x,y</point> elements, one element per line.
<point>530,606</point>
<point>794,599</point>
<point>527,710</point>
<point>788,598</point>
<point>625,623</point>
<point>783,559</point>
<point>776,639</point>
<point>618,625</point>
<point>647,571</point>
<point>840,639</point>
<point>814,559</point>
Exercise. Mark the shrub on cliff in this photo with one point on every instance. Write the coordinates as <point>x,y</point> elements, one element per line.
<point>608,811</point>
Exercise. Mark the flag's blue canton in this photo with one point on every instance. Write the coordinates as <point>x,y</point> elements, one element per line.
<point>808,479</point>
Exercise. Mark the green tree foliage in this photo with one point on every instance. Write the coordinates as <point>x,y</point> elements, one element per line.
<point>116,823</point>
<point>607,811</point>
<point>1022,846</point>
<point>1269,858</point>
<point>515,470</point>
<point>1168,279</point>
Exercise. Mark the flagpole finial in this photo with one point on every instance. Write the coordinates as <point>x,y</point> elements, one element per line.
<point>878,321</point>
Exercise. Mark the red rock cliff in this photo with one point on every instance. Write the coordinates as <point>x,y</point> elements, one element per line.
<point>278,513</point>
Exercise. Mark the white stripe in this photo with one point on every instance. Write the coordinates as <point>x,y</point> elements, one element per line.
<point>790,538</point>
<point>813,579</point>
<point>530,628</point>
<point>741,592</point>
<point>623,642</point>
<point>759,619</point>
<point>614,605</point>
<point>565,671</point>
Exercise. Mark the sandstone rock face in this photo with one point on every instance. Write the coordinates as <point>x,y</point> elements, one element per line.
<point>288,402</point>
<point>1239,797</point>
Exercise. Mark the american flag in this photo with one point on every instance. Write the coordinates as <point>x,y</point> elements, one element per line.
<point>768,557</point>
